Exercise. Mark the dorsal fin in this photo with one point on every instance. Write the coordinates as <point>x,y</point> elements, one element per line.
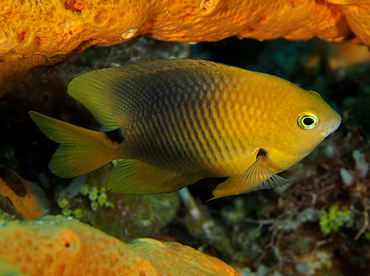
<point>112,94</point>
<point>97,92</point>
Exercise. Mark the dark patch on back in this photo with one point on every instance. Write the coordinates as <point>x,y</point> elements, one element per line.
<point>116,136</point>
<point>261,152</point>
<point>13,181</point>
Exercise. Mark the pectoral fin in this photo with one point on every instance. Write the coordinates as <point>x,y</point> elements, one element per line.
<point>256,177</point>
<point>138,177</point>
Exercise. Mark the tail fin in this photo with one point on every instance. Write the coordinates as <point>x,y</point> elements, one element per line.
<point>80,151</point>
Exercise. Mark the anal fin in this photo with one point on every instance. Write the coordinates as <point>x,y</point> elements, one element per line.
<point>138,177</point>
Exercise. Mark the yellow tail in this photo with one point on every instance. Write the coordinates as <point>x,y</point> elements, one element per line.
<point>80,151</point>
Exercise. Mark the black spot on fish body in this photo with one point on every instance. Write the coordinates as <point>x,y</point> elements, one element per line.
<point>261,152</point>
<point>116,135</point>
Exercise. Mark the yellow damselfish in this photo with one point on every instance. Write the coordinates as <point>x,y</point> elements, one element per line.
<point>170,123</point>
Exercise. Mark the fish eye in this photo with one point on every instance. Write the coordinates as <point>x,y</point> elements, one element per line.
<point>307,121</point>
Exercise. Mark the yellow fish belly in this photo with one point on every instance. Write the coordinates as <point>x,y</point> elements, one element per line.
<point>170,123</point>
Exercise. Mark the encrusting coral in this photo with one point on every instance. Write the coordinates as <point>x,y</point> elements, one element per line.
<point>56,245</point>
<point>36,32</point>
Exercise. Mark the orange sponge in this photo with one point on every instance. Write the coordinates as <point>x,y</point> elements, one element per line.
<point>57,27</point>
<point>56,245</point>
<point>357,15</point>
<point>53,30</point>
<point>21,198</point>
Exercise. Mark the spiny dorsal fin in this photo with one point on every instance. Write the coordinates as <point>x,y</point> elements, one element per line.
<point>96,91</point>
<point>113,94</point>
<point>257,176</point>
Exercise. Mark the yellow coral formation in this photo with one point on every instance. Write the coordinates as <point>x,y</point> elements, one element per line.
<point>55,245</point>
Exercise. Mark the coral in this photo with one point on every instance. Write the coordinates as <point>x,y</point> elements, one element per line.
<point>59,29</point>
<point>19,198</point>
<point>64,246</point>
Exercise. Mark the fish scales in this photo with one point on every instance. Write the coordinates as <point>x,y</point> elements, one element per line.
<point>183,120</point>
<point>205,149</point>
<point>191,105</point>
<point>206,140</point>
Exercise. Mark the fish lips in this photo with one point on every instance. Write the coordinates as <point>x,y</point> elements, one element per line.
<point>333,127</point>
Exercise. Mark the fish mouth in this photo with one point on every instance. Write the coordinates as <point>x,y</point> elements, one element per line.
<point>334,127</point>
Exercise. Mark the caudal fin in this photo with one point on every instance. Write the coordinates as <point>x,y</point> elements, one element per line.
<point>80,151</point>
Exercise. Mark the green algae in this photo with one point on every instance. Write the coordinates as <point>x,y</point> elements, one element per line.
<point>332,220</point>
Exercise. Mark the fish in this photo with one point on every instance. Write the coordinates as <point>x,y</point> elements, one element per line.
<point>169,123</point>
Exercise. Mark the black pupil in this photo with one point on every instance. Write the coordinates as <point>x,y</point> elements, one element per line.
<point>308,121</point>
